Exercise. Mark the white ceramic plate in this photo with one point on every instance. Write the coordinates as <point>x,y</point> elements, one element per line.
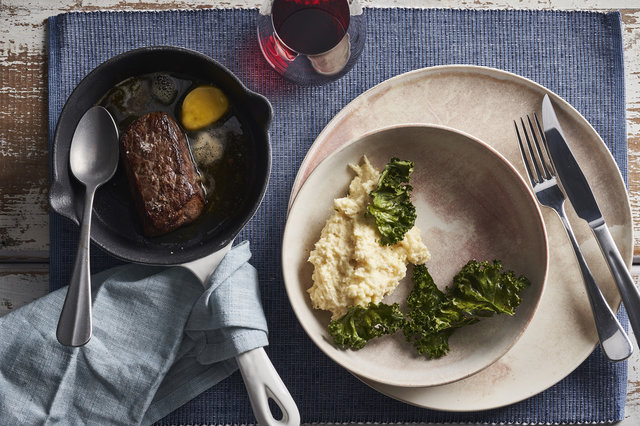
<point>484,102</point>
<point>470,204</point>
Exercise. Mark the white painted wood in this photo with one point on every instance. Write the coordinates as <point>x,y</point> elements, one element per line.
<point>18,288</point>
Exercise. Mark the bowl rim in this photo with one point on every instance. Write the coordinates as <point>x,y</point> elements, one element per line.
<point>330,349</point>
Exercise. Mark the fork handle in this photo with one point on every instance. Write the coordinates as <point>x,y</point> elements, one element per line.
<point>614,341</point>
<point>628,290</point>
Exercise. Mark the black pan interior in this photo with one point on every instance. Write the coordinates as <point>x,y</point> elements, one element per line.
<point>115,226</point>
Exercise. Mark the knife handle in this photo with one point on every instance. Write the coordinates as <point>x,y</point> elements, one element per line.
<point>628,290</point>
<point>613,340</point>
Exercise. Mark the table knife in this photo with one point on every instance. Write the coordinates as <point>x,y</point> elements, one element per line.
<point>579,193</point>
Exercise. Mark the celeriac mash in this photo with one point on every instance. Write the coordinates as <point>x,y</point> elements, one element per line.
<point>350,266</point>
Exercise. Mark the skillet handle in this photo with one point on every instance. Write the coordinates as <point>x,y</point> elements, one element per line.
<point>264,383</point>
<point>261,110</point>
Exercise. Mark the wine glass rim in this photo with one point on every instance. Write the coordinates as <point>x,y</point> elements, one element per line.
<point>312,6</point>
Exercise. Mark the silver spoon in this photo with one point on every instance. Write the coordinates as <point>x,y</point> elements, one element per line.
<point>93,159</point>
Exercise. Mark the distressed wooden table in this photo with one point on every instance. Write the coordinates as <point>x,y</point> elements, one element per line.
<point>24,172</point>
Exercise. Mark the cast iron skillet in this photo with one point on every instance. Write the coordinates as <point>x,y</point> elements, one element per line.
<point>115,227</point>
<point>198,246</point>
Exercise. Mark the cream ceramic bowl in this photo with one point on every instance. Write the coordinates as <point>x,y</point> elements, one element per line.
<point>470,203</point>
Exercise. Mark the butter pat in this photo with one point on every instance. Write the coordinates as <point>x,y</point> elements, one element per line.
<point>350,266</point>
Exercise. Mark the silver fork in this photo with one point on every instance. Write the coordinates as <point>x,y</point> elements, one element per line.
<point>614,341</point>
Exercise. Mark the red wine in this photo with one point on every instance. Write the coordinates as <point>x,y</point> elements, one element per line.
<point>311,31</point>
<point>310,27</point>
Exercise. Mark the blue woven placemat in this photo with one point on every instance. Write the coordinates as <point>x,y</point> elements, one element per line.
<point>577,55</point>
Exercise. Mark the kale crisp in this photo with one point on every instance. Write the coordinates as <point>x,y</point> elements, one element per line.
<point>390,204</point>
<point>479,290</point>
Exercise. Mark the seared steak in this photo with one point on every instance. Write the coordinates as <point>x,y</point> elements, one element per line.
<point>164,182</point>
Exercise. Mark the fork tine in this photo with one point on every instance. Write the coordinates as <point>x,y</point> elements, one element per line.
<point>532,155</point>
<point>542,158</point>
<point>533,161</point>
<point>524,153</point>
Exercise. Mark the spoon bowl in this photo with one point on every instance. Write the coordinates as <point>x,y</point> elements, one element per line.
<point>93,159</point>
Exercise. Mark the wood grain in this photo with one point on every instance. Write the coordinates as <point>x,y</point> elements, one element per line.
<point>21,285</point>
<point>631,43</point>
<point>24,156</point>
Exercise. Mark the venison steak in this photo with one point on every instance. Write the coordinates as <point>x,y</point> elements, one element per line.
<point>162,177</point>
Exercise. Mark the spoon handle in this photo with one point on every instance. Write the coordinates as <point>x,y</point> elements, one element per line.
<point>74,325</point>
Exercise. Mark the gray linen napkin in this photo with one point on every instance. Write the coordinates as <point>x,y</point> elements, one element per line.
<point>159,339</point>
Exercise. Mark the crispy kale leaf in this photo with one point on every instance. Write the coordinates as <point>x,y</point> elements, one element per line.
<point>390,203</point>
<point>482,288</point>
<point>361,324</point>
<point>431,316</point>
<point>479,290</point>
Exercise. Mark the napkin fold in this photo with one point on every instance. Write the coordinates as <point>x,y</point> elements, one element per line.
<point>158,341</point>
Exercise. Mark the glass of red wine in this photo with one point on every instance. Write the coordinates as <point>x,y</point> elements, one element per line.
<point>311,42</point>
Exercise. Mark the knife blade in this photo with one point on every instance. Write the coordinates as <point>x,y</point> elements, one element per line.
<point>573,180</point>
<point>580,195</point>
